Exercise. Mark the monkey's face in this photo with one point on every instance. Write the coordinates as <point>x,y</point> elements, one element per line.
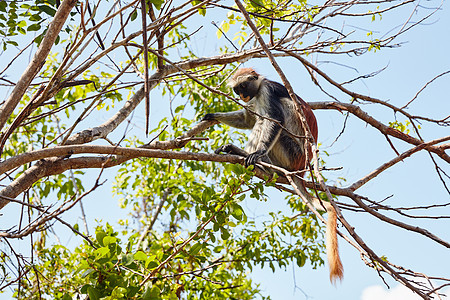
<point>247,89</point>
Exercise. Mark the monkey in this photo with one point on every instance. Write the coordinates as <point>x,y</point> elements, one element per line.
<point>276,138</point>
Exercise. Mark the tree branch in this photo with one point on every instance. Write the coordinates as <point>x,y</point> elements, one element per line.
<point>386,130</point>
<point>37,62</point>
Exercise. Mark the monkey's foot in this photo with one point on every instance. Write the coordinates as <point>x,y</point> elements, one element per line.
<point>254,157</point>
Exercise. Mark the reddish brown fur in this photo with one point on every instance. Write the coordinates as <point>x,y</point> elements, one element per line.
<point>312,124</point>
<point>334,261</point>
<point>244,71</point>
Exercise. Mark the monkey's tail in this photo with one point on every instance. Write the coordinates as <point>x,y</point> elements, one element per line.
<point>334,261</point>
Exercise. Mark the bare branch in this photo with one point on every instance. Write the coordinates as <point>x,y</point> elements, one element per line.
<point>386,130</point>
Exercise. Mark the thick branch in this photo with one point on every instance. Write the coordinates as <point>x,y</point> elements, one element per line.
<point>37,62</point>
<point>127,153</point>
<point>57,166</point>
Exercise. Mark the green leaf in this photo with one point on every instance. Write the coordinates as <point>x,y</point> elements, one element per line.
<point>237,212</point>
<point>133,15</point>
<point>21,24</point>
<point>179,108</point>
<point>118,292</point>
<point>206,195</point>
<point>34,27</point>
<point>99,235</point>
<point>151,262</point>
<point>225,234</point>
<point>301,260</point>
<point>235,168</point>
<point>157,3</point>
<point>195,249</point>
<point>225,27</point>
<point>3,6</point>
<point>47,9</point>
<point>35,17</point>
<point>67,297</point>
<point>84,288</point>
<point>101,252</point>
<point>257,3</point>
<point>87,272</point>
<point>107,240</point>
<point>140,256</point>
<point>127,259</point>
<point>152,293</point>
<point>12,43</point>
<point>93,293</point>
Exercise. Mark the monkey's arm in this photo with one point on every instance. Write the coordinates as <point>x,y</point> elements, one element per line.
<point>239,119</point>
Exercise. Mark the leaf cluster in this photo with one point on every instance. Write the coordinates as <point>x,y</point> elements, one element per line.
<point>25,17</point>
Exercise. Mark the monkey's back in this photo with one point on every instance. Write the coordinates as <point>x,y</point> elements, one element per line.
<point>289,151</point>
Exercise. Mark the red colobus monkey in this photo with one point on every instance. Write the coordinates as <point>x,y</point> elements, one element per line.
<point>269,106</point>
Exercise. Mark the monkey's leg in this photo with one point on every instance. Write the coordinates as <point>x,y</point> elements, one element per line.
<point>264,137</point>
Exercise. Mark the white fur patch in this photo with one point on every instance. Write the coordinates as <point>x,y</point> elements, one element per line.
<point>235,81</point>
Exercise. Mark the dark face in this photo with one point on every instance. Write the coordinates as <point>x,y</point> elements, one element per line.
<point>247,89</point>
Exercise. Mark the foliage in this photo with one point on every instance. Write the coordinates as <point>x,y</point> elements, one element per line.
<point>25,17</point>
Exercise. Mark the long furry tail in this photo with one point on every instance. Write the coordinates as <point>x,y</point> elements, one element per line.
<point>334,261</point>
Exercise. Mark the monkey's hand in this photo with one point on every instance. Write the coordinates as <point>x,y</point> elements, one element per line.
<point>209,117</point>
<point>254,157</point>
<point>228,148</point>
<point>231,149</point>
